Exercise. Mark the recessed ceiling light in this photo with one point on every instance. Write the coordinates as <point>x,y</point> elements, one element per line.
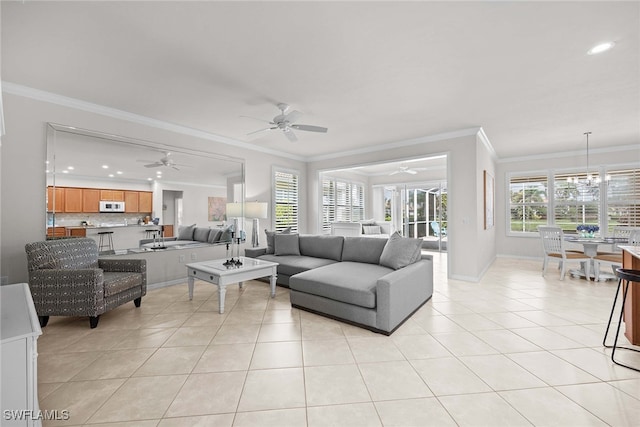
<point>111,175</point>
<point>149,179</point>
<point>119,172</point>
<point>105,166</point>
<point>602,47</point>
<point>70,168</point>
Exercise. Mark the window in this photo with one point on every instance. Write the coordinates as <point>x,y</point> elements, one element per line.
<point>623,198</point>
<point>285,196</point>
<point>528,203</point>
<point>606,204</point>
<point>341,201</point>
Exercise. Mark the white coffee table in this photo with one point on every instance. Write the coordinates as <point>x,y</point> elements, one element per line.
<point>217,273</point>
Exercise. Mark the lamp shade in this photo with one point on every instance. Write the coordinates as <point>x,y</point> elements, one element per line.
<point>234,210</point>
<point>256,209</point>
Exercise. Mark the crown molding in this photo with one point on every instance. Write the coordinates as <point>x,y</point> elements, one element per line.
<point>573,153</point>
<point>65,101</point>
<point>400,144</point>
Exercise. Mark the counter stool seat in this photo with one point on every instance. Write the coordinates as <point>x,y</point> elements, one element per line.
<point>628,276</point>
<point>106,241</point>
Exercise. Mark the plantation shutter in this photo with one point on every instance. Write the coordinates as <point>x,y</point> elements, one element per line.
<point>286,200</point>
<point>623,198</point>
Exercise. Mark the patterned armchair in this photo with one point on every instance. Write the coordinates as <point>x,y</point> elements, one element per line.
<point>66,278</point>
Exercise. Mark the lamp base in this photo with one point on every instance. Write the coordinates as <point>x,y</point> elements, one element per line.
<point>254,233</point>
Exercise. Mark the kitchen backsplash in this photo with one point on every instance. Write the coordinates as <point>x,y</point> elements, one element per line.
<point>75,219</point>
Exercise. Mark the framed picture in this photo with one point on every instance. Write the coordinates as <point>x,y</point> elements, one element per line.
<point>489,196</point>
<point>217,208</point>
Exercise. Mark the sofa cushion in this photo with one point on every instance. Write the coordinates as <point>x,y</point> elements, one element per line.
<point>64,254</point>
<point>270,238</point>
<point>116,282</point>
<point>201,234</point>
<point>286,244</point>
<point>214,235</point>
<point>400,251</point>
<point>288,265</point>
<point>185,232</point>
<point>322,246</point>
<point>371,229</point>
<point>363,249</point>
<point>349,282</point>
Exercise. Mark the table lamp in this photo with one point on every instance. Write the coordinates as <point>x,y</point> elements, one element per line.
<point>256,211</point>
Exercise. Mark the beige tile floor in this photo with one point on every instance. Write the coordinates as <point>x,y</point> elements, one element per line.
<point>514,349</point>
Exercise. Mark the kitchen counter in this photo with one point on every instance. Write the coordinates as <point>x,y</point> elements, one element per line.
<point>113,225</point>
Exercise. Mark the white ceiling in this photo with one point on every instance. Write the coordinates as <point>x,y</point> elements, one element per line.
<point>372,72</point>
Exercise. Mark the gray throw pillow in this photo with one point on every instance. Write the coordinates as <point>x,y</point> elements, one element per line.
<point>400,251</point>
<point>185,232</point>
<point>226,234</point>
<point>286,244</point>
<point>371,229</point>
<point>214,235</point>
<point>270,237</point>
<point>201,234</point>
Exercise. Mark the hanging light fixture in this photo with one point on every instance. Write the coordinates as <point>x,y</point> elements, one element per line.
<point>591,179</point>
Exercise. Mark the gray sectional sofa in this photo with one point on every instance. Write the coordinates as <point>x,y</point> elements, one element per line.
<point>373,283</point>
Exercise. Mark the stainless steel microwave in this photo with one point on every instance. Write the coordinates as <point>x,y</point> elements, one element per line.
<point>107,206</point>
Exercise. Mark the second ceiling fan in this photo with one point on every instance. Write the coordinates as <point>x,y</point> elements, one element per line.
<point>286,122</point>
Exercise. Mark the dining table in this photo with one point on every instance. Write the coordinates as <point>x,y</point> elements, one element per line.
<point>590,248</point>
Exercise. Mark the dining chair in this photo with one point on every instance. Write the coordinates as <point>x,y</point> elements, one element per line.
<point>553,245</point>
<point>615,259</point>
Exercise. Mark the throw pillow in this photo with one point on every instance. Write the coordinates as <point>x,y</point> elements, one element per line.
<point>201,234</point>
<point>366,222</point>
<point>226,234</point>
<point>185,232</point>
<point>371,229</point>
<point>214,235</point>
<point>270,238</point>
<point>400,251</point>
<point>286,244</point>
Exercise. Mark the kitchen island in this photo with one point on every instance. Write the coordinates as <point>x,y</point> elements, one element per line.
<point>124,236</point>
<point>631,260</point>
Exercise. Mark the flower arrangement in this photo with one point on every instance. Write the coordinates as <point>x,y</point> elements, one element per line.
<point>587,230</point>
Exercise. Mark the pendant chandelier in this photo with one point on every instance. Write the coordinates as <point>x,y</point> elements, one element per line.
<point>592,180</point>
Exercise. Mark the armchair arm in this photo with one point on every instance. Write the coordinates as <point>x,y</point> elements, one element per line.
<point>401,292</point>
<point>254,252</point>
<point>67,292</point>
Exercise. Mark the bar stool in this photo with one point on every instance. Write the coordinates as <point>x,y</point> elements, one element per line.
<point>106,240</point>
<point>628,276</point>
<point>150,234</point>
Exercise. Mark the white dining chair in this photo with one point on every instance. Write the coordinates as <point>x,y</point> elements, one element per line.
<point>615,259</point>
<point>553,245</point>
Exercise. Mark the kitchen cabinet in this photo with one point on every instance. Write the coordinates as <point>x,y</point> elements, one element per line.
<point>55,199</point>
<point>19,332</point>
<point>90,200</point>
<point>112,195</point>
<point>168,230</point>
<point>72,199</point>
<point>77,232</point>
<point>131,201</point>
<point>145,204</point>
<point>56,231</point>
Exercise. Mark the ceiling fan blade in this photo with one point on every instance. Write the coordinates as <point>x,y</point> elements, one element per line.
<point>289,133</point>
<point>310,128</point>
<point>154,165</point>
<point>293,116</point>
<point>261,130</point>
<point>394,173</point>
<point>410,171</point>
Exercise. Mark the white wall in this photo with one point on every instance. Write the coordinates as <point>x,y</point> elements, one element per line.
<point>23,174</point>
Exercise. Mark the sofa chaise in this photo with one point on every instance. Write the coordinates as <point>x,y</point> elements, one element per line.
<point>373,283</point>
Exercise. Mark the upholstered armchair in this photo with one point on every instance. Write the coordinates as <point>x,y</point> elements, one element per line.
<point>66,278</point>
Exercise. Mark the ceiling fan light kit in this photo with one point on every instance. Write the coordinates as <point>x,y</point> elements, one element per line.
<point>285,121</point>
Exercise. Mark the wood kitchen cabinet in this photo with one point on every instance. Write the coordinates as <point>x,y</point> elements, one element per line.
<point>145,204</point>
<point>112,195</point>
<point>56,231</point>
<point>55,199</point>
<point>90,200</point>
<point>168,230</point>
<point>72,199</point>
<point>131,201</point>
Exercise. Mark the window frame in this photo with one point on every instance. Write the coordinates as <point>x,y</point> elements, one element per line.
<point>351,186</point>
<point>295,226</point>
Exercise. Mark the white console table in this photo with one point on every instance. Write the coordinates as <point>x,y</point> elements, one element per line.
<point>19,331</point>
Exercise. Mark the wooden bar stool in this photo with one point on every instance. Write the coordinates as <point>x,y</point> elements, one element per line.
<point>628,276</point>
<point>106,241</point>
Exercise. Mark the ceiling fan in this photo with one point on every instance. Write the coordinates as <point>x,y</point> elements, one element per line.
<point>285,121</point>
<point>407,169</point>
<point>166,161</point>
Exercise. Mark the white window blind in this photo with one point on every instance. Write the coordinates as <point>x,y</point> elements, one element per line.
<point>285,200</point>
<point>341,201</point>
<point>623,198</point>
